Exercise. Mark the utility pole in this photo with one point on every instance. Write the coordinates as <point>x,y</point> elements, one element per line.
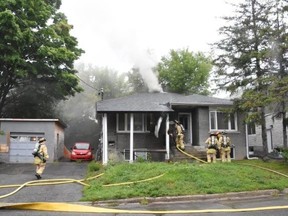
<point>101,93</point>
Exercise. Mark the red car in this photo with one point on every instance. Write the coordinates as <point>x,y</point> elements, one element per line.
<point>82,151</point>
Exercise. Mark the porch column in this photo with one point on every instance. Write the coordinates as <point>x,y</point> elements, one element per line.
<point>131,137</point>
<point>167,155</point>
<point>105,139</point>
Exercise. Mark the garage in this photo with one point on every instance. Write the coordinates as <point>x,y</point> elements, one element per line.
<point>21,147</point>
<point>19,136</point>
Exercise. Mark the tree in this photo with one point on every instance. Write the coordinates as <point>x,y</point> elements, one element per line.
<point>36,48</point>
<point>184,72</point>
<point>78,112</point>
<point>136,81</point>
<point>279,62</point>
<point>243,63</point>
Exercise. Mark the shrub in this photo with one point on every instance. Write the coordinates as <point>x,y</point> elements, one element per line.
<point>94,167</point>
<point>284,153</point>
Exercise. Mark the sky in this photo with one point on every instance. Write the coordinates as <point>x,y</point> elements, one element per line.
<point>121,34</point>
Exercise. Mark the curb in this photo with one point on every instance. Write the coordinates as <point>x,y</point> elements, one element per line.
<point>197,198</point>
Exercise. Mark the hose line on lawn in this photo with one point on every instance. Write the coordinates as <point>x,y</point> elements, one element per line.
<point>66,207</point>
<point>66,181</point>
<point>46,182</point>
<point>267,169</point>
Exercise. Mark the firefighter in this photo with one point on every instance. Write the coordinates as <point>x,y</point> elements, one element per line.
<point>179,135</point>
<point>225,150</point>
<point>40,157</point>
<point>212,146</point>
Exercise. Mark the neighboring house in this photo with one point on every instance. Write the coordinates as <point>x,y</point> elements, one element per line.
<point>18,138</point>
<point>129,124</point>
<point>274,130</point>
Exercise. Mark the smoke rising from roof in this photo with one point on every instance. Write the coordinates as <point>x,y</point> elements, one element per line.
<point>145,62</point>
<point>130,51</point>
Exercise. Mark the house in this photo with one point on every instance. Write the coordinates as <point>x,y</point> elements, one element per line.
<point>18,138</point>
<point>274,131</point>
<point>136,125</point>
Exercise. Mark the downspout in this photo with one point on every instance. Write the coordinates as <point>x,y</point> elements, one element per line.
<point>167,156</point>
<point>247,144</point>
<point>131,138</point>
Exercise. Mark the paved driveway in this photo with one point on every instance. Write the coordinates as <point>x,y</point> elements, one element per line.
<point>21,173</point>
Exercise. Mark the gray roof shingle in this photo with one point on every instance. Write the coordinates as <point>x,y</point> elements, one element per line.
<point>156,102</point>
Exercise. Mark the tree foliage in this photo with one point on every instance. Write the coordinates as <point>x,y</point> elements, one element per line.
<point>136,82</point>
<point>279,63</point>
<point>78,112</point>
<point>245,64</point>
<point>184,72</point>
<point>37,56</point>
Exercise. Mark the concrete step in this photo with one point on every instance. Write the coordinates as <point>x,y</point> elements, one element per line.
<point>196,151</point>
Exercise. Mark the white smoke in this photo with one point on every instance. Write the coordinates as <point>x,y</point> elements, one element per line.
<point>130,51</point>
<point>145,62</point>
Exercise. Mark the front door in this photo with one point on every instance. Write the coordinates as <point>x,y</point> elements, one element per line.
<point>186,121</point>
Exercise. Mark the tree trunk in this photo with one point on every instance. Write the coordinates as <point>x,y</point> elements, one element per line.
<point>284,131</point>
<point>264,132</point>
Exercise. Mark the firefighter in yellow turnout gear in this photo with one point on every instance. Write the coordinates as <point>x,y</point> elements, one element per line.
<point>225,147</point>
<point>40,156</point>
<point>179,135</point>
<point>212,146</point>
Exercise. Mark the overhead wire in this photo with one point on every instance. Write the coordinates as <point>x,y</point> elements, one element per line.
<point>87,83</point>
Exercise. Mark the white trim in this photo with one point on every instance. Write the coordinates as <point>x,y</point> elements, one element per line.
<point>105,139</point>
<point>167,155</point>
<point>216,121</point>
<point>33,120</point>
<point>131,136</point>
<point>189,126</point>
<point>247,143</point>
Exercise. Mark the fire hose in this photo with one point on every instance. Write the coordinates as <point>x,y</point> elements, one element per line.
<point>191,156</point>
<point>65,207</point>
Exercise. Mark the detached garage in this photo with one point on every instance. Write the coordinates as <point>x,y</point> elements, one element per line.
<point>18,138</point>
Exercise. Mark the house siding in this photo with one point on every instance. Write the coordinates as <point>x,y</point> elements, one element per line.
<point>59,142</point>
<point>118,142</point>
<point>121,141</point>
<point>238,138</point>
<point>274,133</point>
<point>203,114</point>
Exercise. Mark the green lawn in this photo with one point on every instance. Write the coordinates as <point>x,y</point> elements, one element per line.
<point>182,179</point>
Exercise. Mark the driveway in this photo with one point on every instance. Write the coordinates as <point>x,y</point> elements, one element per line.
<point>21,173</point>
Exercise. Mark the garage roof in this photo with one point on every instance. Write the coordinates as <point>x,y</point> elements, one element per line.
<point>58,121</point>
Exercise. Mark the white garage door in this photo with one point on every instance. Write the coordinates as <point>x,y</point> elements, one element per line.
<point>21,147</point>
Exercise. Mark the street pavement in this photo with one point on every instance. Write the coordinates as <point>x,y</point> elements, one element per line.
<point>72,193</point>
<point>11,174</point>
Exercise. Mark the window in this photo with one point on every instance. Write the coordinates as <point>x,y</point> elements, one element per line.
<point>251,128</point>
<point>223,121</point>
<point>25,138</point>
<point>141,122</point>
<point>137,154</point>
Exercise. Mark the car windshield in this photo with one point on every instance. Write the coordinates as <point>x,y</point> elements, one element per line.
<point>83,146</point>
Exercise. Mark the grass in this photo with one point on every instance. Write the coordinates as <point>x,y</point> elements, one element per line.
<point>182,179</point>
